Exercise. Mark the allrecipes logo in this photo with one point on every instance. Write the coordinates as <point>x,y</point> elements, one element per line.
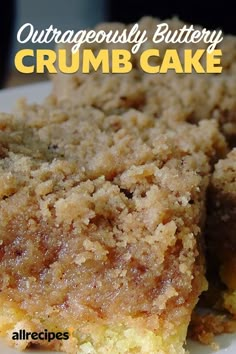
<point>119,60</point>
<point>22,334</point>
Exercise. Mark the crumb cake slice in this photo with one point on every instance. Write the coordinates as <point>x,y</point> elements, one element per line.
<point>221,230</point>
<point>101,219</point>
<point>183,97</point>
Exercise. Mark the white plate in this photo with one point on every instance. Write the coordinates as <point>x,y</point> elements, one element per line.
<point>33,93</point>
<point>36,93</point>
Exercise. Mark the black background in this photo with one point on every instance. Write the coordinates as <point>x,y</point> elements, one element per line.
<point>209,14</point>
<point>7,20</point>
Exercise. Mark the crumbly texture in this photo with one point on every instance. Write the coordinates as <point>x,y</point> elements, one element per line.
<point>204,327</point>
<point>182,97</point>
<point>101,219</point>
<point>221,228</point>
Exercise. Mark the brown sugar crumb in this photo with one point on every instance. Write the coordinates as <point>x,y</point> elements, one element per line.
<point>204,328</point>
<point>103,232</point>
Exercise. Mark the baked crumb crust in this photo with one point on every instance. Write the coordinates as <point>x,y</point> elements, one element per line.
<point>204,328</point>
<point>101,220</point>
<point>172,97</point>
